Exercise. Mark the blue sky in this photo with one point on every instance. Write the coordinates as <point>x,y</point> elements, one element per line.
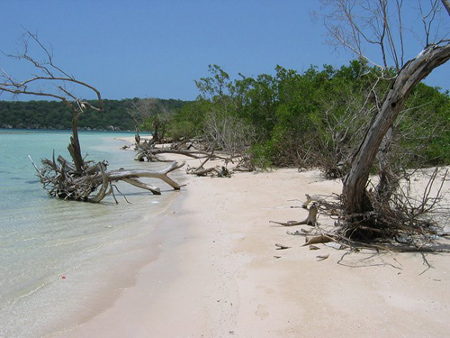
<point>158,48</point>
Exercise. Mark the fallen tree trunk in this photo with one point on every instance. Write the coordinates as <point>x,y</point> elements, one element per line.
<point>146,151</point>
<point>121,174</point>
<point>189,153</point>
<point>62,180</point>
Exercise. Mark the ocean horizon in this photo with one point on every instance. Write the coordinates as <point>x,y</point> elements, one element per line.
<point>63,261</point>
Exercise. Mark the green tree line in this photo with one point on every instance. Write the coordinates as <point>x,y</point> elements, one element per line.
<point>117,114</point>
<point>313,118</point>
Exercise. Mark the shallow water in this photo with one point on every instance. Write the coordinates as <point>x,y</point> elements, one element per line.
<point>59,258</point>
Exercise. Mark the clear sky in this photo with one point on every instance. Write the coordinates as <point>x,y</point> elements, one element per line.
<point>157,48</point>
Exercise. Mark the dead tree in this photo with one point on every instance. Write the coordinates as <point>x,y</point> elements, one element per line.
<point>61,180</point>
<point>196,149</point>
<point>354,25</point>
<point>78,179</point>
<point>409,76</point>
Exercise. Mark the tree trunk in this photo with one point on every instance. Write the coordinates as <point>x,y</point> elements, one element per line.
<point>74,145</point>
<point>354,191</point>
<point>387,177</point>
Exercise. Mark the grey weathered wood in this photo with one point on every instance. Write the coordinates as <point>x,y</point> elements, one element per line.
<point>354,191</point>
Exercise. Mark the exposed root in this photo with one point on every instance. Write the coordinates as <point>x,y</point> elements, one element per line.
<point>399,225</point>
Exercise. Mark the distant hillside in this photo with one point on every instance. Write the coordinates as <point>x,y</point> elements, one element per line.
<point>55,115</point>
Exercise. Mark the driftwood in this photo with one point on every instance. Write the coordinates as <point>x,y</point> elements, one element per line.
<point>189,153</point>
<point>215,171</point>
<point>315,235</point>
<point>62,179</point>
<point>151,154</point>
<point>310,220</point>
<point>318,239</point>
<point>147,150</point>
<point>197,149</point>
<point>77,179</point>
<point>315,239</point>
<point>282,247</point>
<point>133,175</point>
<point>322,257</point>
<point>219,171</point>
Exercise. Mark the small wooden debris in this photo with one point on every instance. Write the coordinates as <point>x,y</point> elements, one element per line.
<point>317,239</point>
<point>322,257</point>
<point>282,247</point>
<point>310,220</point>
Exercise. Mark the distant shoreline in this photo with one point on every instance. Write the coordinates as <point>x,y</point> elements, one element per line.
<point>70,130</point>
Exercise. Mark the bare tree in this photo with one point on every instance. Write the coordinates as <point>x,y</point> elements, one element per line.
<point>153,115</point>
<point>364,24</point>
<point>77,180</point>
<point>51,73</point>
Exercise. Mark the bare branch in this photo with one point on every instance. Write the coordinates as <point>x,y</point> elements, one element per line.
<point>51,73</point>
<point>359,24</point>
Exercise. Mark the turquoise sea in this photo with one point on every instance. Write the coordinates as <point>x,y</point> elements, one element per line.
<point>63,261</point>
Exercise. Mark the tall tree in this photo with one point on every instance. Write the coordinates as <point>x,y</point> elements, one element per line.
<point>380,25</point>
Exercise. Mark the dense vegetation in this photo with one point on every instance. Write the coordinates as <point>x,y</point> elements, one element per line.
<point>117,114</point>
<point>314,118</point>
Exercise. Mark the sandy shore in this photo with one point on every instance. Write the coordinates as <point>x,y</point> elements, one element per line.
<point>219,273</point>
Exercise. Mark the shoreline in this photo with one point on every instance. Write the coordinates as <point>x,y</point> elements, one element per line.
<point>219,273</point>
<point>63,262</point>
<point>116,269</point>
<point>169,237</point>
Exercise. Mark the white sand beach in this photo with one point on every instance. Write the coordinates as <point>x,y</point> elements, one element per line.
<point>219,273</point>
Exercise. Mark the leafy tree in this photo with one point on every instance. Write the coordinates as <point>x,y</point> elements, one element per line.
<point>316,118</point>
<point>54,115</point>
<point>424,127</point>
<point>188,122</point>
